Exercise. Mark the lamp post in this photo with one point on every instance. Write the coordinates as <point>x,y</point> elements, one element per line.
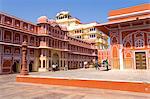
<point>24,70</point>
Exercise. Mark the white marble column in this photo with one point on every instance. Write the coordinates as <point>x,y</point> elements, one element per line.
<point>121,52</point>
<point>41,67</point>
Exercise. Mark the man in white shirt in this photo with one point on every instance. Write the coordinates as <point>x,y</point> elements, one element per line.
<point>53,67</point>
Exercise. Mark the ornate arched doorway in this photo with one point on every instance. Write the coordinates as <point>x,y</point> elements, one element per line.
<point>16,67</point>
<point>55,60</point>
<point>31,66</point>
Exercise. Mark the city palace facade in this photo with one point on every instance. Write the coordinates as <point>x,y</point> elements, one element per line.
<point>48,43</point>
<point>54,42</point>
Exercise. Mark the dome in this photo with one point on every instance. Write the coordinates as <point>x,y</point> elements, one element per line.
<point>42,19</point>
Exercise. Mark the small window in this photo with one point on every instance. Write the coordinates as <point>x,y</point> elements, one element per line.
<point>139,43</point>
<point>92,36</point>
<point>92,29</point>
<point>80,31</point>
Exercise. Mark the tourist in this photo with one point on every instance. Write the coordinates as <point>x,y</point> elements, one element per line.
<point>107,65</point>
<point>103,63</point>
<point>53,67</point>
<point>97,66</point>
<point>85,64</point>
<point>56,68</point>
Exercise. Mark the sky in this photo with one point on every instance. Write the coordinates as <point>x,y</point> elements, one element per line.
<point>85,10</point>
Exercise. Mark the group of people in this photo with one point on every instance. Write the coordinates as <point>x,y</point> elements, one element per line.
<point>97,66</point>
<point>55,67</point>
<point>104,64</point>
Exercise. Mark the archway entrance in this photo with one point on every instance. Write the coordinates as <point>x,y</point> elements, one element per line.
<point>55,60</point>
<point>31,66</point>
<point>15,67</point>
<point>7,66</point>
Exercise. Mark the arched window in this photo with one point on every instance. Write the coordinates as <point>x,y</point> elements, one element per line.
<point>139,43</point>
<point>128,45</point>
<point>7,35</point>
<point>114,40</point>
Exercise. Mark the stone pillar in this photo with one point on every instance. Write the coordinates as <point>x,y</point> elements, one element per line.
<point>24,70</point>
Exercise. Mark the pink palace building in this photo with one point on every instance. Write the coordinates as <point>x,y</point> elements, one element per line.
<point>129,30</point>
<point>48,43</point>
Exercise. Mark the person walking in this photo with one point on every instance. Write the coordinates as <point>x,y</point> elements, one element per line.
<point>106,62</point>
<point>96,66</point>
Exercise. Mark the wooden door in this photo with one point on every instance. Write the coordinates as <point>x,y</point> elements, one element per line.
<point>140,58</point>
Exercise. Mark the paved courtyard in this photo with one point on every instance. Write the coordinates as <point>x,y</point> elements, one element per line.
<point>92,74</point>
<point>9,89</point>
